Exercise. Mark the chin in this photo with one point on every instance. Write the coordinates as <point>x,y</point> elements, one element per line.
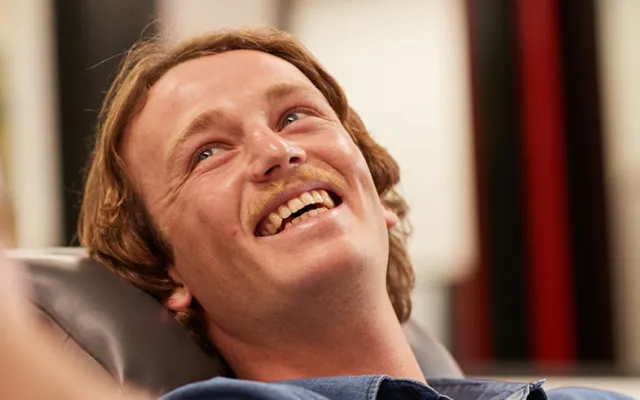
<point>329,266</point>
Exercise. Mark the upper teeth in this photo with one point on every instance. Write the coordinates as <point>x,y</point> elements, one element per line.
<point>273,222</point>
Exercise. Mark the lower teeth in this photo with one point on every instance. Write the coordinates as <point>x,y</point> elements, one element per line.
<point>308,214</point>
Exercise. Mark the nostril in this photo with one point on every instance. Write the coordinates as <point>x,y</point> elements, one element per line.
<point>291,161</point>
<point>295,160</point>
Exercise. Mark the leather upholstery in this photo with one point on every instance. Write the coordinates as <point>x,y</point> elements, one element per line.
<point>131,336</point>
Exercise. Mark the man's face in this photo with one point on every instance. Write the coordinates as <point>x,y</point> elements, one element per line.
<point>224,149</point>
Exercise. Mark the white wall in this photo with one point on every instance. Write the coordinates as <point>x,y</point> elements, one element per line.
<point>33,171</point>
<point>620,78</point>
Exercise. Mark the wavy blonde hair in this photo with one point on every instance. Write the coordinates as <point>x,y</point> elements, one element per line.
<point>114,224</point>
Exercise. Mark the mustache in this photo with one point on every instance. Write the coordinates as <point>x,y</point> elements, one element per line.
<point>303,173</point>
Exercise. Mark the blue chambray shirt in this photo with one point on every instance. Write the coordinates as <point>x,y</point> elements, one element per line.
<point>380,388</point>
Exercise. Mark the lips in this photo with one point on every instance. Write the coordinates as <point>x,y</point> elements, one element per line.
<point>295,210</point>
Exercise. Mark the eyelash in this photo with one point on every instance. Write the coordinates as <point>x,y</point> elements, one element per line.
<point>197,160</point>
<point>295,110</point>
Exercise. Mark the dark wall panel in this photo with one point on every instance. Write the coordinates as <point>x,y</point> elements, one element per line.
<point>590,244</point>
<point>91,36</point>
<point>499,288</point>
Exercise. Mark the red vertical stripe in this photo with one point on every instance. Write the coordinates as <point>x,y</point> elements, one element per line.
<point>552,316</point>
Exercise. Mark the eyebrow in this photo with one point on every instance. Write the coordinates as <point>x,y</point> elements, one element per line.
<point>212,117</point>
<point>196,125</point>
<point>280,90</point>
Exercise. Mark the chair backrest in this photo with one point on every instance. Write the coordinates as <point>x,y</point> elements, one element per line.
<point>132,336</point>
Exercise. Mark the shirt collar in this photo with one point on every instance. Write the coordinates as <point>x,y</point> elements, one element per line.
<point>368,387</point>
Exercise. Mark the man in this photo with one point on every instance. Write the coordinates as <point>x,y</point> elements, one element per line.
<point>233,182</point>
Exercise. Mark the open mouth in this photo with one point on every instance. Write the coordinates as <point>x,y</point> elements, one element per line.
<point>298,209</point>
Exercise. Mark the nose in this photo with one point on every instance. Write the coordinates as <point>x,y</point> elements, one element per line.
<point>273,156</point>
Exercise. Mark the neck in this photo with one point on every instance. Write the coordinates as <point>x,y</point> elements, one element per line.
<point>356,343</point>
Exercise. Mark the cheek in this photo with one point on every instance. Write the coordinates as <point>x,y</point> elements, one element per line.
<point>203,223</point>
<point>212,200</point>
<point>211,208</point>
<point>205,242</point>
<point>344,154</point>
<point>350,160</point>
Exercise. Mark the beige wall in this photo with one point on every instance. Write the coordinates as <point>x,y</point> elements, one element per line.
<point>32,140</point>
<point>184,18</point>
<point>620,79</point>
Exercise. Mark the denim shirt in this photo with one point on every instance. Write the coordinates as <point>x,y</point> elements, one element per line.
<point>380,388</point>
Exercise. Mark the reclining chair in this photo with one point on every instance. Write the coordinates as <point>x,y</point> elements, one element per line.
<point>124,332</point>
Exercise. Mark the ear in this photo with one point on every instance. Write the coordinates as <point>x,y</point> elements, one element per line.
<point>181,297</point>
<point>390,217</point>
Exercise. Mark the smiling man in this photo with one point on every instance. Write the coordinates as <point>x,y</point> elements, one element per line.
<point>235,157</point>
<point>232,181</point>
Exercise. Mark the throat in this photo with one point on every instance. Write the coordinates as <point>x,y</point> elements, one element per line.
<point>321,348</point>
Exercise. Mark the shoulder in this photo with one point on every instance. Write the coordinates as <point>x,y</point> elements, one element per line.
<point>575,393</point>
<point>225,388</point>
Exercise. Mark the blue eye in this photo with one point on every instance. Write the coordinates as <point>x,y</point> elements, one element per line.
<point>291,117</point>
<point>204,155</point>
<point>209,151</point>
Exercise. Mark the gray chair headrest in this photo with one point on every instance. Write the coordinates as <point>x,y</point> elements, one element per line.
<point>123,328</point>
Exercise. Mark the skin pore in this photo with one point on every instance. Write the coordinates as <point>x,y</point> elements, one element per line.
<point>223,140</point>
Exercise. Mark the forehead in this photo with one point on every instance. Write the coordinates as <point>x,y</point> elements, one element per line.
<point>221,78</point>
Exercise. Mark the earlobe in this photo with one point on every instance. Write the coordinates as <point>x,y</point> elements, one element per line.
<point>390,218</point>
<point>181,297</point>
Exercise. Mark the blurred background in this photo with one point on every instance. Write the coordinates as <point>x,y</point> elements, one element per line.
<point>516,125</point>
